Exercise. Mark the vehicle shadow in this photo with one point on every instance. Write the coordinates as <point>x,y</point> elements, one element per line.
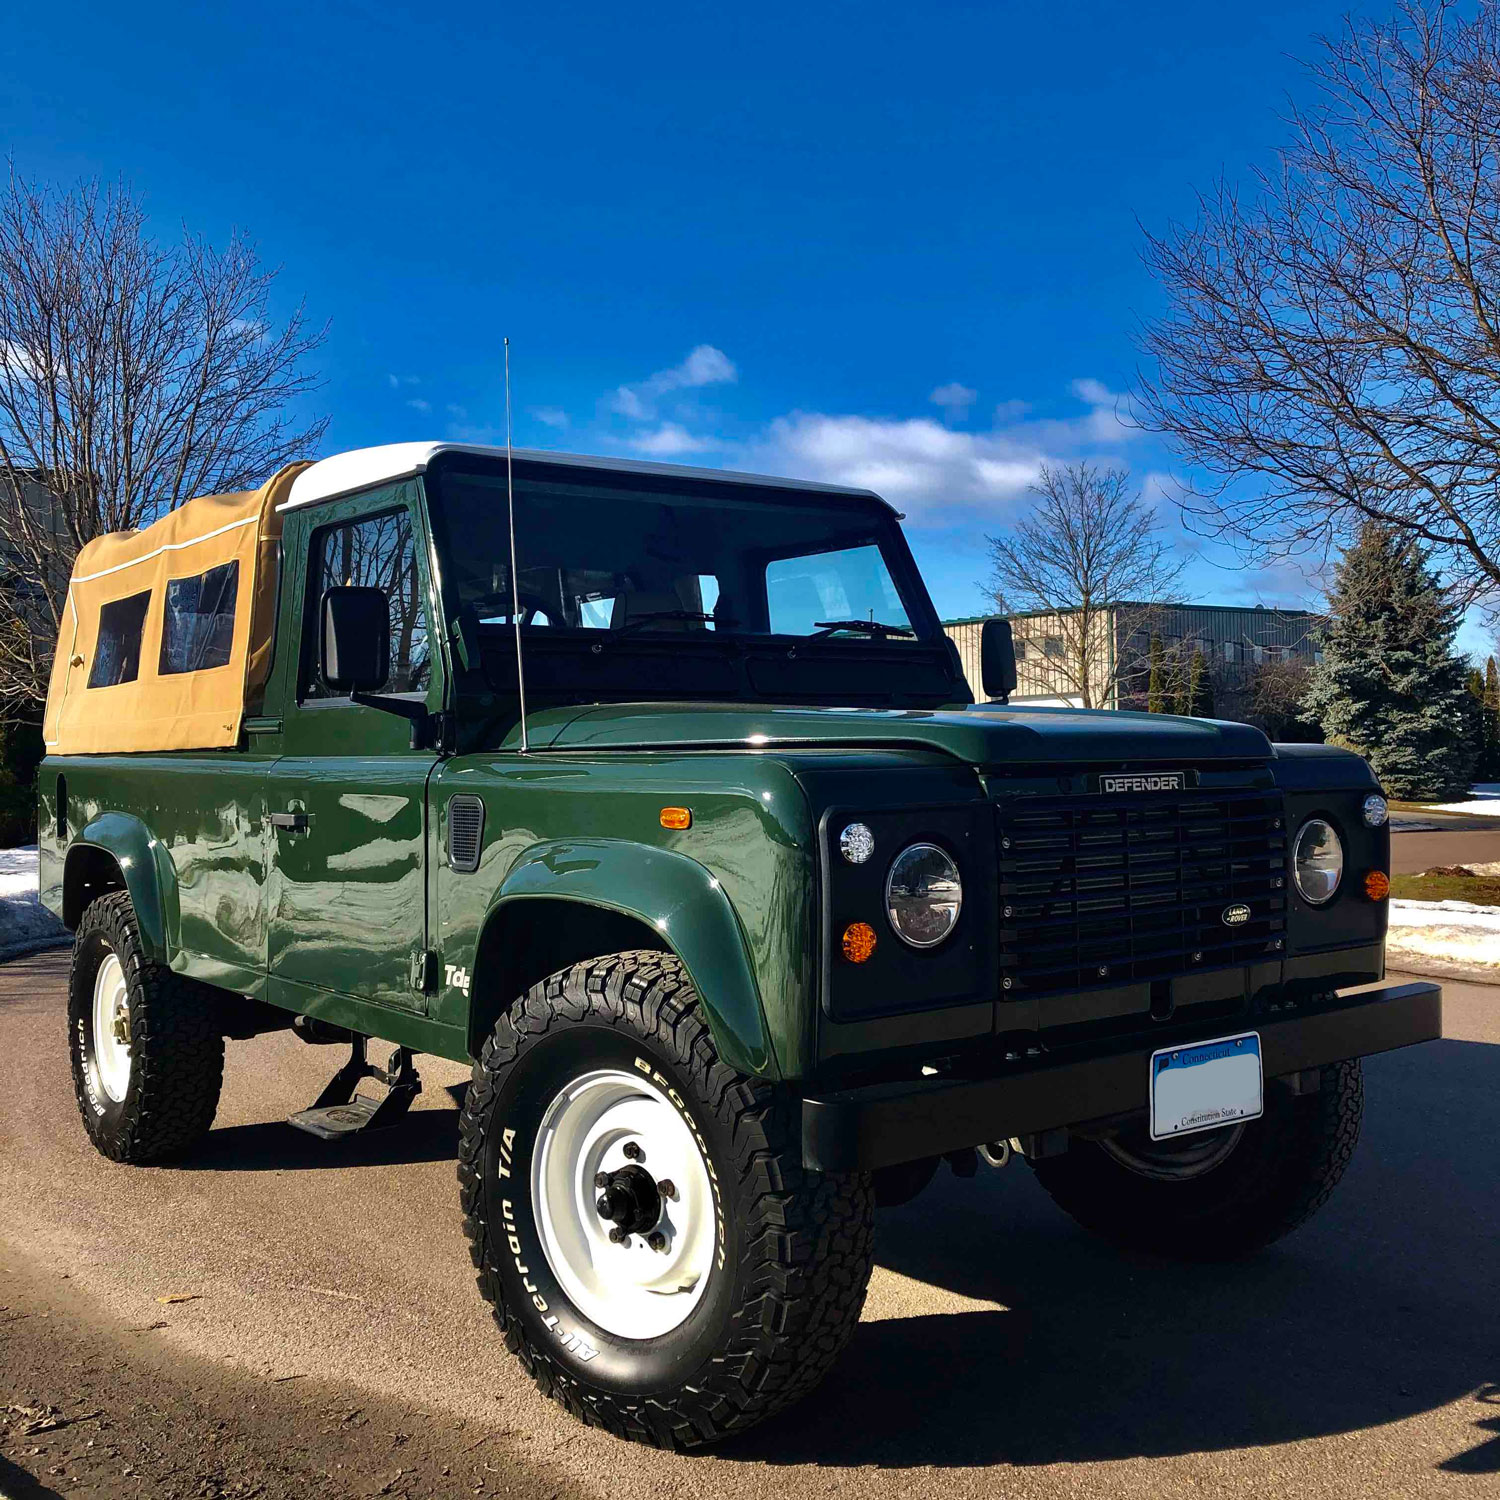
<point>17,1484</point>
<point>274,1146</point>
<point>1383,1307</point>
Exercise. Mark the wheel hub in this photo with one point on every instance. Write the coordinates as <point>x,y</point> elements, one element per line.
<point>624,1204</point>
<point>111,1059</point>
<point>629,1199</point>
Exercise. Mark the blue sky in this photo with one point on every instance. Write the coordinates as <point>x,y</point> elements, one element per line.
<point>890,244</point>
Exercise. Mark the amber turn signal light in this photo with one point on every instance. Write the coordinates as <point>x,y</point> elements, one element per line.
<point>676,817</point>
<point>859,942</point>
<point>1377,885</point>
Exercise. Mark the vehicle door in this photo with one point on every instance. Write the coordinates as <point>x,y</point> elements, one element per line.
<point>348,799</point>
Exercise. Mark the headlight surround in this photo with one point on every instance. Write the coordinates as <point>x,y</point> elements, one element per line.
<point>923,895</point>
<point>1317,861</point>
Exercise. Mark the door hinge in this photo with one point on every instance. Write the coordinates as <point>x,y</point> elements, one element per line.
<point>424,972</point>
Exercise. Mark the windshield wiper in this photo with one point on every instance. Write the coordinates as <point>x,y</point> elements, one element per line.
<point>695,616</point>
<point>865,627</point>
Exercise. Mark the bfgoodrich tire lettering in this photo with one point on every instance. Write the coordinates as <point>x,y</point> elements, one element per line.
<point>176,1053</point>
<point>1281,1170</point>
<point>792,1248</point>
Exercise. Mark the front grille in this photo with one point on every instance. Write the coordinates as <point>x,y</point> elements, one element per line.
<point>1102,890</point>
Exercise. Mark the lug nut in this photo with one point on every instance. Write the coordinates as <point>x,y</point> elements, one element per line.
<point>667,1188</point>
<point>601,1179</point>
<point>656,1240</point>
<point>617,1236</point>
<point>634,1152</point>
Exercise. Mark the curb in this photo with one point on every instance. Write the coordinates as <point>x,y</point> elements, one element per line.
<point>1429,967</point>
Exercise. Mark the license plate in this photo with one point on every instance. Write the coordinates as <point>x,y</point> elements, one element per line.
<point>1205,1085</point>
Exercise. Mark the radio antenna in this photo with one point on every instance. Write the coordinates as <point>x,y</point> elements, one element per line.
<point>515,582</point>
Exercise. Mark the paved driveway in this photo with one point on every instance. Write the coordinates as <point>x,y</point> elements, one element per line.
<point>337,1345</point>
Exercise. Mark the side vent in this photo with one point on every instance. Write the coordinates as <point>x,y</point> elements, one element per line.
<point>465,833</point>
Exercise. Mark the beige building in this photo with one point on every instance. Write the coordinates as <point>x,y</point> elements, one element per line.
<point>1234,642</point>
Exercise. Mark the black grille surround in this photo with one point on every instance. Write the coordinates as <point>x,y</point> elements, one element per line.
<point>1098,889</point>
<point>465,832</point>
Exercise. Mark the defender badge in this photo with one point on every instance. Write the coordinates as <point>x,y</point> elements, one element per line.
<point>1154,781</point>
<point>1236,915</point>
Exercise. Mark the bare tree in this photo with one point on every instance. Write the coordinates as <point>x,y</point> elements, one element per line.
<point>1088,555</point>
<point>1331,349</point>
<point>133,376</point>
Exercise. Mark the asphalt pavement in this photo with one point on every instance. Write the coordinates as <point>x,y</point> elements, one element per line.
<point>1465,842</point>
<point>334,1343</point>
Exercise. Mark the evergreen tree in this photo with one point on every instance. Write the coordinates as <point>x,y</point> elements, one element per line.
<point>1390,685</point>
<point>1156,683</point>
<point>1484,764</point>
<point>1490,720</point>
<point>1200,690</point>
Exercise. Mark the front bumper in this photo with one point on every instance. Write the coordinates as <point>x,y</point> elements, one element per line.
<point>859,1129</point>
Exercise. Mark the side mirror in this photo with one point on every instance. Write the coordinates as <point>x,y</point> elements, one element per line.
<point>354,645</point>
<point>997,659</point>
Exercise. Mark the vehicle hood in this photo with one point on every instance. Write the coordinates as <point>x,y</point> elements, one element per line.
<point>986,734</point>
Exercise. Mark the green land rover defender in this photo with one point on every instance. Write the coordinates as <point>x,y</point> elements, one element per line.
<point>659,796</point>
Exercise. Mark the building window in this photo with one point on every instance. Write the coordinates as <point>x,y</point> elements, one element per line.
<point>1022,647</point>
<point>1232,651</point>
<point>1053,646</point>
<point>198,624</point>
<point>117,656</point>
<point>373,552</point>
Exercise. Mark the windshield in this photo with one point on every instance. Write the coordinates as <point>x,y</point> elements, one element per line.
<point>594,557</point>
<point>635,586</point>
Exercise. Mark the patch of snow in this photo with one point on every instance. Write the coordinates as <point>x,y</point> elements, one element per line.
<point>1484,807</point>
<point>1453,932</point>
<point>25,924</point>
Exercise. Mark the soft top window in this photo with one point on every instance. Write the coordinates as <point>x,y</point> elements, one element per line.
<point>198,626</point>
<point>117,657</point>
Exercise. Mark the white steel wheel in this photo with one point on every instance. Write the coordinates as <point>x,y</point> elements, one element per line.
<point>112,1029</point>
<point>623,1204</point>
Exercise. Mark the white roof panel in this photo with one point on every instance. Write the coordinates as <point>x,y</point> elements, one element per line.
<point>361,468</point>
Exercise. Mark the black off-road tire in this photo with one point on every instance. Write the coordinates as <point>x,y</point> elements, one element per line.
<point>796,1245</point>
<point>177,1051</point>
<point>1283,1169</point>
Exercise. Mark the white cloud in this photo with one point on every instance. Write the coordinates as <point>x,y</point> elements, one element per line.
<point>18,361</point>
<point>458,413</point>
<point>667,440</point>
<point>1109,419</point>
<point>955,399</point>
<point>936,473</point>
<point>397,381</point>
<point>417,404</point>
<point>551,416</point>
<point>916,462</point>
<point>704,365</point>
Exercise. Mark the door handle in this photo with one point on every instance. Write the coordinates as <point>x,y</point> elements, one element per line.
<point>293,822</point>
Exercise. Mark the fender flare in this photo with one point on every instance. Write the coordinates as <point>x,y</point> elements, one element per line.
<point>146,871</point>
<point>681,900</point>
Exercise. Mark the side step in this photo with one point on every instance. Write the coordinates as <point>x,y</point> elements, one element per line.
<point>339,1111</point>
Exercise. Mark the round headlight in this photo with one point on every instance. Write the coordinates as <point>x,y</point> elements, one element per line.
<point>923,895</point>
<point>1317,861</point>
<point>857,843</point>
<point>1376,810</point>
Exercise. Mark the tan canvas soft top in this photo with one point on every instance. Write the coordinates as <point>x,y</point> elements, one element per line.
<point>184,710</point>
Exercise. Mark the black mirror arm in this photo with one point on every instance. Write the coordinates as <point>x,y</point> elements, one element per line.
<point>426,728</point>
